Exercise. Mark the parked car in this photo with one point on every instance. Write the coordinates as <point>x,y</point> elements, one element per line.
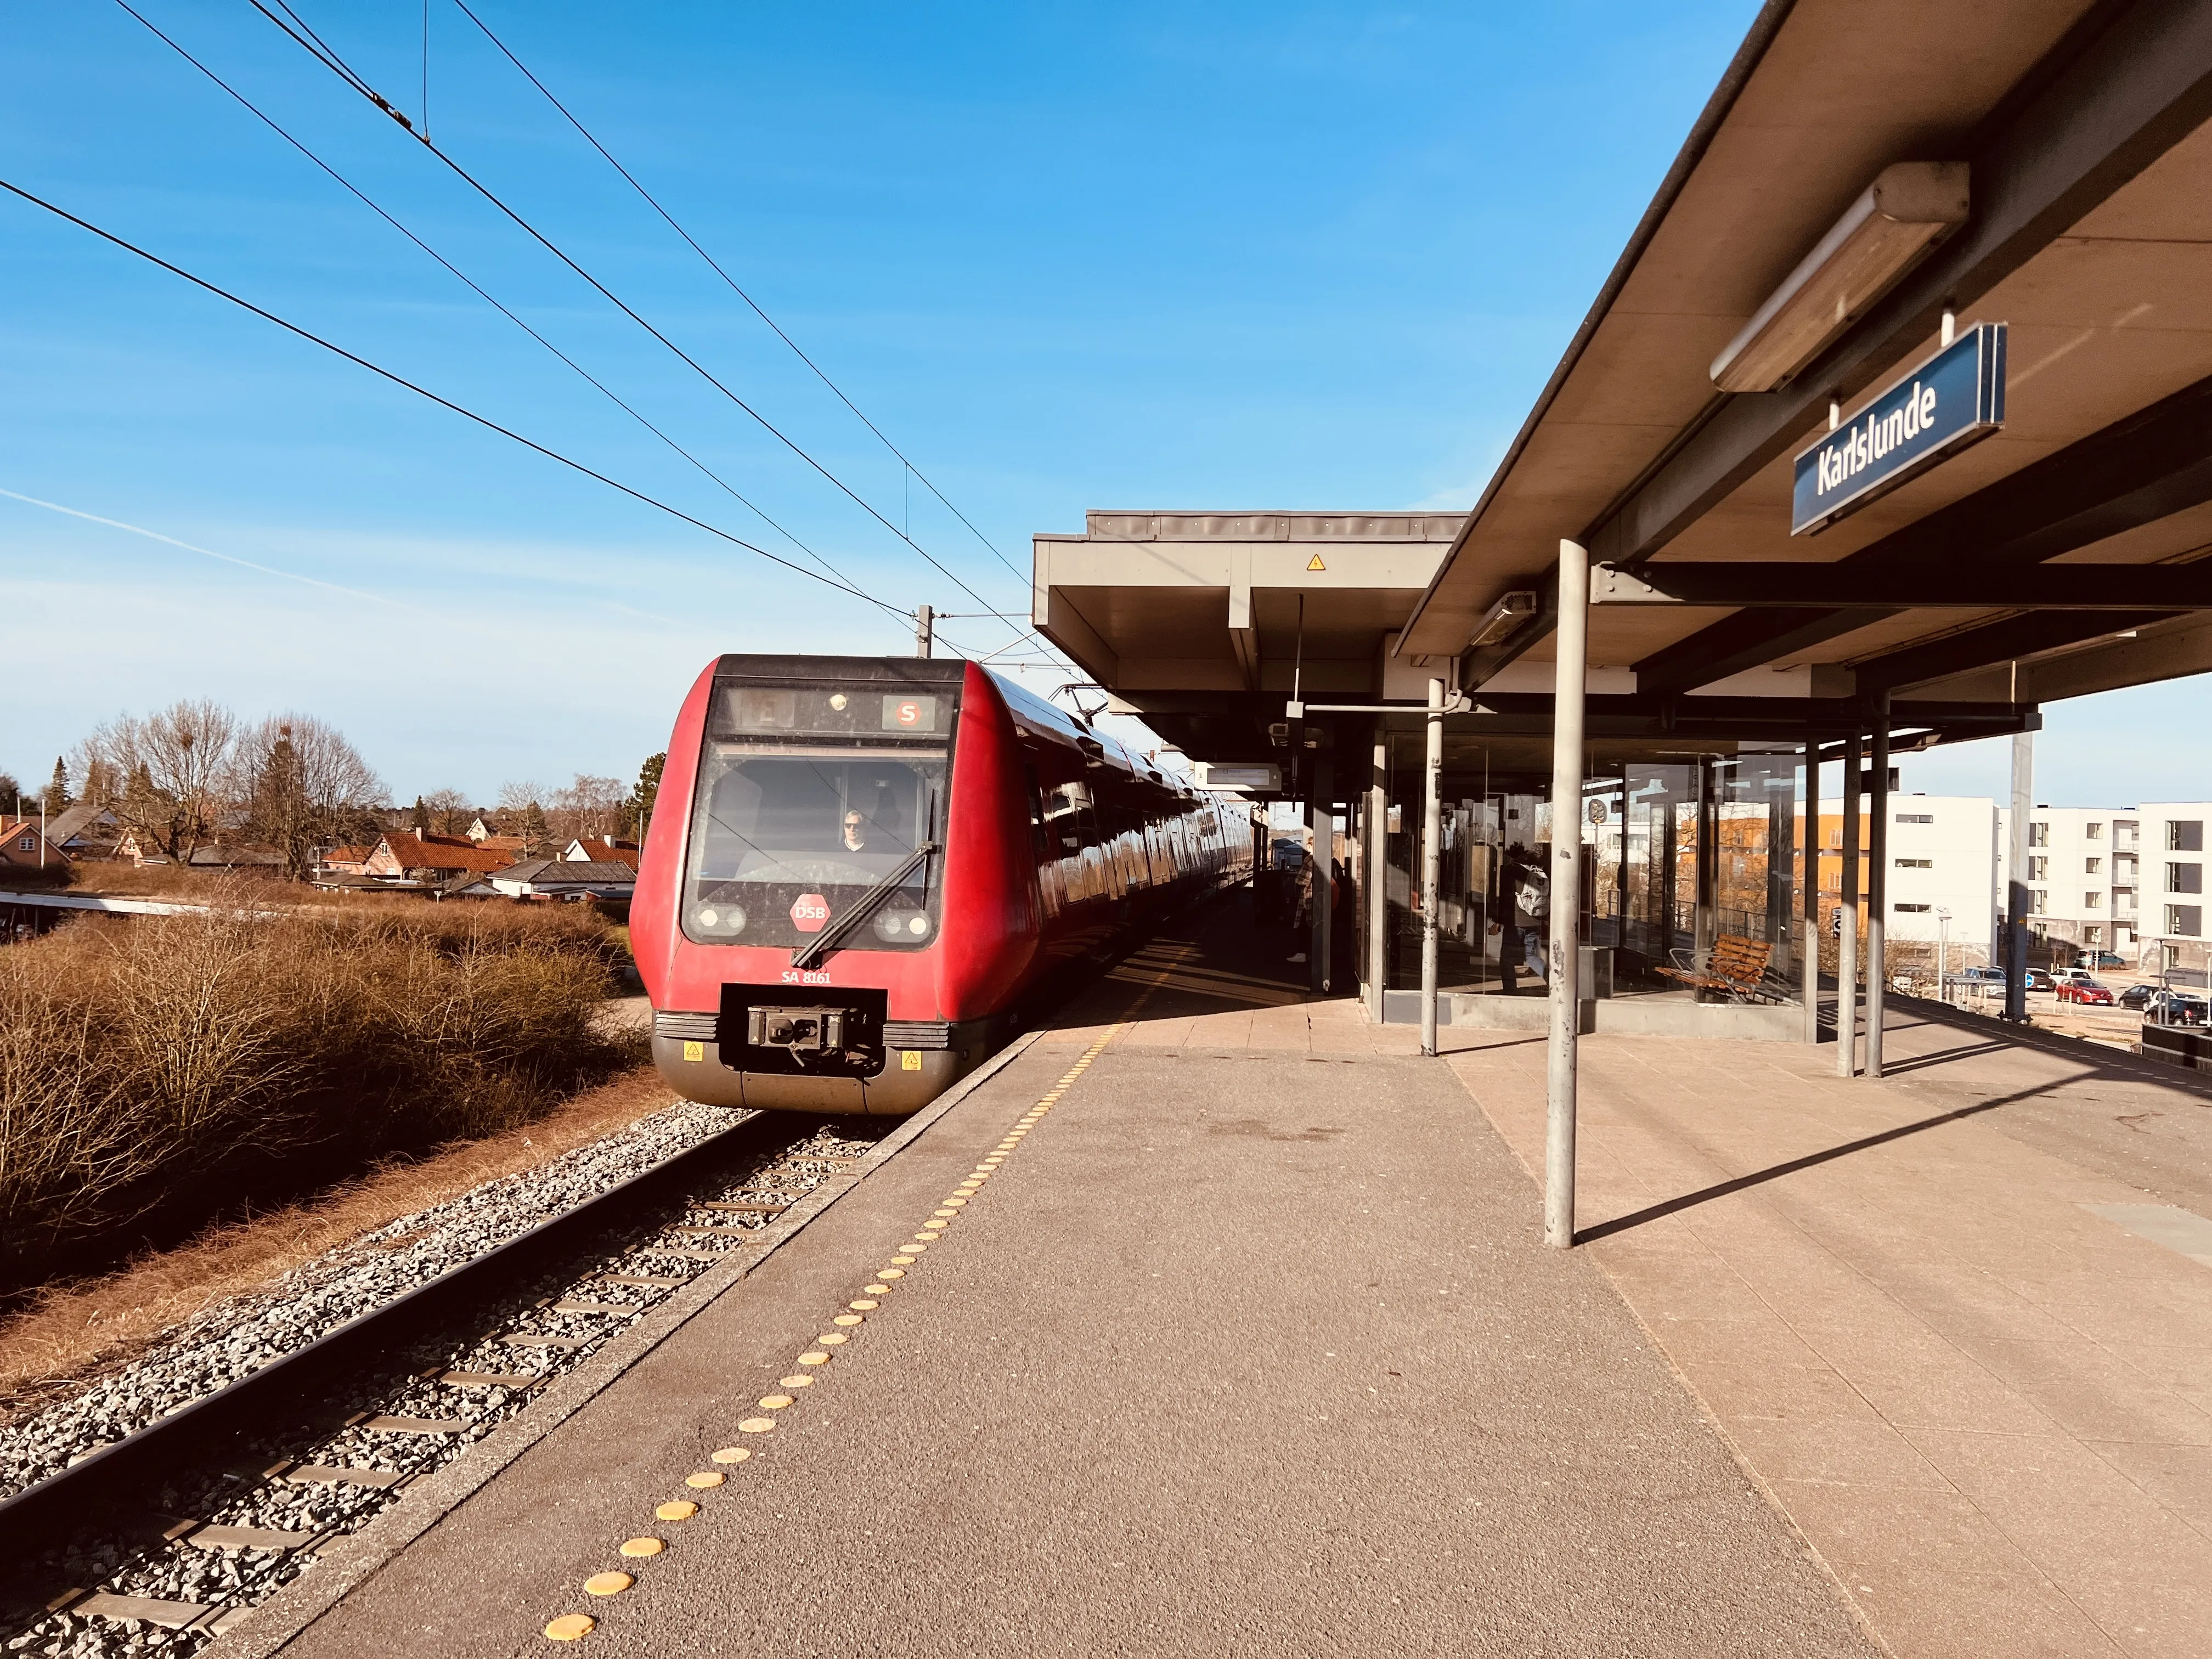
<point>2137,996</point>
<point>2178,1008</point>
<point>1978,976</point>
<point>2064,976</point>
<point>2039,979</point>
<point>2085,990</point>
<point>2103,959</point>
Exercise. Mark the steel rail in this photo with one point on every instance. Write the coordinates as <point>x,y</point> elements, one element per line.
<point>107,1485</point>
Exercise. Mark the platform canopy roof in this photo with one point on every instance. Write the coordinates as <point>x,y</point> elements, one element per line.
<point>2052,559</point>
<point>2088,170</point>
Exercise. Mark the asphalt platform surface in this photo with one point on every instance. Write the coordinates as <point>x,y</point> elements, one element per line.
<point>1249,1347</point>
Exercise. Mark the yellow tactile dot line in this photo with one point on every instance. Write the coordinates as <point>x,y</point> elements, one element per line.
<point>573,1626</point>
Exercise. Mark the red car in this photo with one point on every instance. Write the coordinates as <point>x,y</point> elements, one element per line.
<point>2083,990</point>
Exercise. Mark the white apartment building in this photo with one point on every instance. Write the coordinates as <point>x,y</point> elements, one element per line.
<point>2100,878</point>
<point>2171,858</point>
<point>2083,874</point>
<point>1943,872</point>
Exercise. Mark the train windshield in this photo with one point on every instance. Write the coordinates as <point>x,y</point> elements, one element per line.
<point>792,827</point>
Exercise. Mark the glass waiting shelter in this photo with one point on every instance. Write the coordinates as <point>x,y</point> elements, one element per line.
<point>1681,850</point>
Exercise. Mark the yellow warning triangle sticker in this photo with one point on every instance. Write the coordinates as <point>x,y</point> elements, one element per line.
<point>1314,564</point>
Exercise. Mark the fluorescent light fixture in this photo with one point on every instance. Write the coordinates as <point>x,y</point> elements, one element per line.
<point>1907,211</point>
<point>1508,614</point>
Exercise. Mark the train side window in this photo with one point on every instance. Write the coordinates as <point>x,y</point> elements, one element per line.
<point>1068,819</point>
<point>1039,836</point>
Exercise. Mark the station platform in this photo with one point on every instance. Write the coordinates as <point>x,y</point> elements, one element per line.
<point>1251,1344</point>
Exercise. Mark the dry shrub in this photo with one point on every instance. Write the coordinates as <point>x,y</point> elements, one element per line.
<point>70,1329</point>
<point>69,1136</point>
<point>154,1064</point>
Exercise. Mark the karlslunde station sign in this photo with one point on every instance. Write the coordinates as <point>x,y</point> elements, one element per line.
<point>1928,414</point>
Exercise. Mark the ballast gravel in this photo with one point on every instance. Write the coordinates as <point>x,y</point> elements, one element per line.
<point>336,1287</point>
<point>238,1336</point>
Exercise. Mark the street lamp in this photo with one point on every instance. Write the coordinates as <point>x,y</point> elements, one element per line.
<point>1942,953</point>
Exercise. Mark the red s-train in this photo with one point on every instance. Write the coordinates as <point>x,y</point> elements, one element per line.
<point>860,868</point>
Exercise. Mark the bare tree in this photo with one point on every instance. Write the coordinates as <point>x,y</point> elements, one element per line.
<point>170,770</point>
<point>306,787</point>
<point>516,795</point>
<point>449,810</point>
<point>522,812</point>
<point>102,787</point>
<point>589,806</point>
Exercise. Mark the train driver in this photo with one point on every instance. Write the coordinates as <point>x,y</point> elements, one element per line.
<point>856,832</point>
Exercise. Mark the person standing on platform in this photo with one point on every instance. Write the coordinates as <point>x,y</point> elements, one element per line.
<point>1529,891</point>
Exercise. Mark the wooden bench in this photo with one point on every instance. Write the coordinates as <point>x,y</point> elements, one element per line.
<point>1736,966</point>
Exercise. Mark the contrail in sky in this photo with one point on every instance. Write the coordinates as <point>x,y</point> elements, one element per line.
<point>228,558</point>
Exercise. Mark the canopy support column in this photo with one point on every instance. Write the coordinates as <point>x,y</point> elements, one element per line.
<point>1573,674</point>
<point>1432,860</point>
<point>2016,894</point>
<point>1379,874</point>
<point>1811,964</point>
<point>1320,821</point>
<point>1878,889</point>
<point>1847,936</point>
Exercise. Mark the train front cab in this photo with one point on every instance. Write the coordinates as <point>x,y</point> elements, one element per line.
<point>813,788</point>
<point>1051,844</point>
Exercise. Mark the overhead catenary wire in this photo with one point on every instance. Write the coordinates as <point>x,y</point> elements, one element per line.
<point>714,264</point>
<point>593,380</point>
<point>402,381</point>
<point>324,54</point>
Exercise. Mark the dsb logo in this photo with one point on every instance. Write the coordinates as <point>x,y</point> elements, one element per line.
<point>809,912</point>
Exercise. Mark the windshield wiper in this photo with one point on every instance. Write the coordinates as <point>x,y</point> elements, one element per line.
<point>809,954</point>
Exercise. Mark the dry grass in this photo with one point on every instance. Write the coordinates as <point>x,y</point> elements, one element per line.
<point>69,1332</point>
<point>168,1065</point>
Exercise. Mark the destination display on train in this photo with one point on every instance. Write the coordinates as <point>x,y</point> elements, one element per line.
<point>1933,411</point>
<point>827,711</point>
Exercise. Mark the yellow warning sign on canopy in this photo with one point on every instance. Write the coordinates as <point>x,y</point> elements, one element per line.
<point>1314,564</point>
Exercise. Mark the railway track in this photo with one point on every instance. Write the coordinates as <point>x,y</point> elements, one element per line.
<point>162,1539</point>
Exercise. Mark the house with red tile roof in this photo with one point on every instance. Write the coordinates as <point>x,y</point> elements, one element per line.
<point>23,842</point>
<point>345,861</point>
<point>403,855</point>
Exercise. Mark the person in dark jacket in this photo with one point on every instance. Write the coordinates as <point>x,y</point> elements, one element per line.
<point>1528,892</point>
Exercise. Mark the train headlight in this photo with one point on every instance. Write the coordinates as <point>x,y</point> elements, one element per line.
<point>890,925</point>
<point>722,919</point>
<point>918,925</point>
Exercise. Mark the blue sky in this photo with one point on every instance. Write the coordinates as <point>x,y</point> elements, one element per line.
<point>1066,257</point>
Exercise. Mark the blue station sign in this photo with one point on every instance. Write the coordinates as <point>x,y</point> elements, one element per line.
<point>1928,414</point>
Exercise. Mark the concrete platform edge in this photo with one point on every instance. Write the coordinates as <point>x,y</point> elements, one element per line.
<point>353,1561</point>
